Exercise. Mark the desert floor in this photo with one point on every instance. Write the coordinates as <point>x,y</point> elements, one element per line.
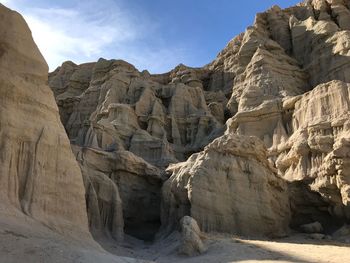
<point>225,249</point>
<point>24,240</point>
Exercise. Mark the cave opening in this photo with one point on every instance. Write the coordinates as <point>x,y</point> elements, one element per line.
<point>145,230</point>
<point>141,197</point>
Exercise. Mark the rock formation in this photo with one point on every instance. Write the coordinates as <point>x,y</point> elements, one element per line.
<point>229,187</point>
<point>110,105</point>
<point>279,92</point>
<point>38,172</point>
<point>254,143</point>
<point>120,185</point>
<point>126,127</point>
<point>191,237</point>
<point>317,150</point>
<point>42,197</point>
<point>290,89</point>
<point>43,212</point>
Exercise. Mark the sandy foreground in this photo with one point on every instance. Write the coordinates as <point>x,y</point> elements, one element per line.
<point>225,249</point>
<point>27,241</point>
<point>24,240</point>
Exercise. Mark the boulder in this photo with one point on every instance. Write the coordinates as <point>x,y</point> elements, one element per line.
<point>312,228</point>
<point>191,238</point>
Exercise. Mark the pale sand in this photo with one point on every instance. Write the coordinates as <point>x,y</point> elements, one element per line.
<point>225,249</point>
<point>24,240</point>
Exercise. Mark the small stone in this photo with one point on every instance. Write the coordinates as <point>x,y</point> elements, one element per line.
<point>317,236</point>
<point>311,228</point>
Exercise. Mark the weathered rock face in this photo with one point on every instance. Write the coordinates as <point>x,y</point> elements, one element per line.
<point>289,75</point>
<point>38,172</point>
<point>317,151</point>
<point>285,81</point>
<point>120,187</point>
<point>229,187</point>
<point>110,105</point>
<point>123,125</point>
<point>104,205</point>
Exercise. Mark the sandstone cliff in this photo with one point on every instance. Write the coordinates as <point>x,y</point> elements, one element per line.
<point>43,216</point>
<point>251,144</point>
<point>38,172</point>
<point>280,94</point>
<point>129,126</point>
<point>230,187</point>
<point>296,101</point>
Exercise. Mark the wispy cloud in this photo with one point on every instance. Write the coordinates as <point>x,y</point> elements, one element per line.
<point>6,2</point>
<point>83,31</point>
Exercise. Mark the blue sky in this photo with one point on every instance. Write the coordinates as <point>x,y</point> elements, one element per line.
<point>151,34</point>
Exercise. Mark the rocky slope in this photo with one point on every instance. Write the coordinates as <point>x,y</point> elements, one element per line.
<point>285,81</point>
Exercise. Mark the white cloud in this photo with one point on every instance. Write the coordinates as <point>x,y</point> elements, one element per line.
<point>72,34</point>
<point>87,30</point>
<point>6,2</point>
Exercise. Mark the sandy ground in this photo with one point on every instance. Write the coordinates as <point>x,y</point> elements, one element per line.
<point>29,242</point>
<point>225,249</point>
<point>24,240</point>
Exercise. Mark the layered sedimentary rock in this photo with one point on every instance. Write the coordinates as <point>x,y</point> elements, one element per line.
<point>124,124</point>
<point>110,105</point>
<point>283,81</point>
<point>122,193</point>
<point>38,172</point>
<point>290,89</point>
<point>317,151</point>
<point>229,187</point>
<point>268,72</point>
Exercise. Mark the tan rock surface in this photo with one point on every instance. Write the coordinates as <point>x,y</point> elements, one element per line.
<point>283,88</point>
<point>160,120</point>
<point>256,83</point>
<point>191,237</point>
<point>284,80</point>
<point>38,172</point>
<point>128,123</point>
<point>229,187</point>
<point>316,151</point>
<point>42,212</point>
<point>123,193</point>
<point>273,65</point>
<point>26,240</point>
